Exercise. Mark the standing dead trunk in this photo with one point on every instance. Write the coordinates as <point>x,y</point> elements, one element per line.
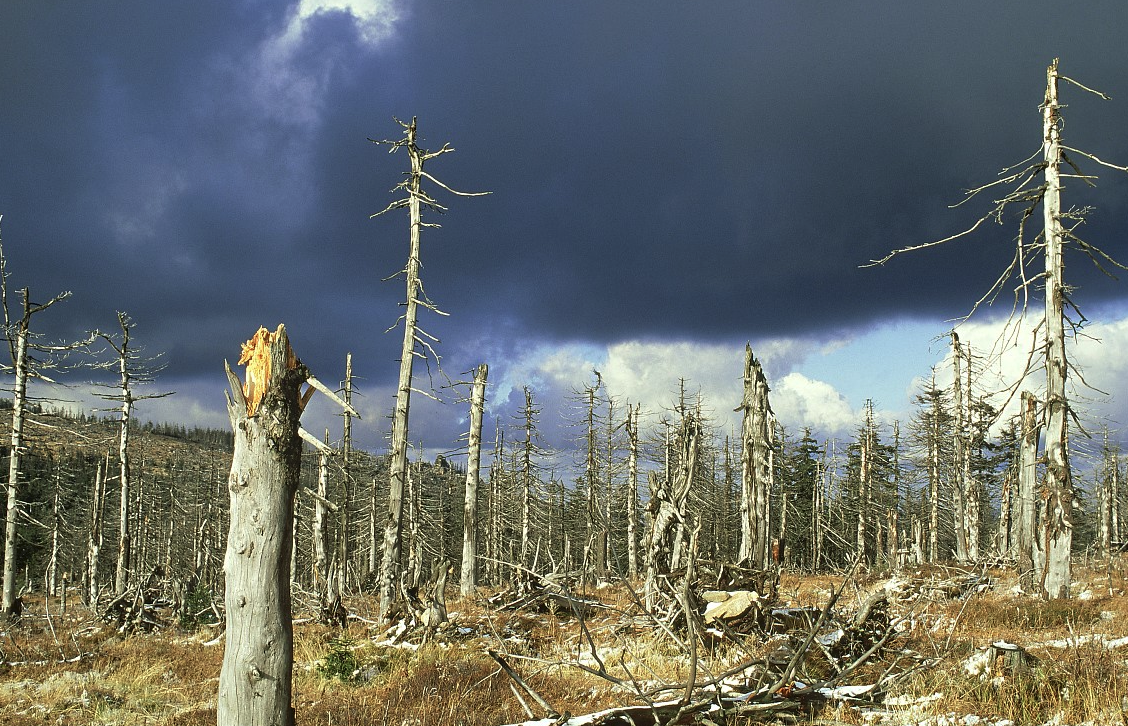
<point>94,539</point>
<point>256,679</point>
<point>346,502</point>
<point>469,581</point>
<point>320,531</point>
<point>668,507</point>
<point>755,464</point>
<point>1027,548</point>
<point>527,480</point>
<point>19,397</point>
<point>23,371</point>
<point>1105,489</point>
<point>632,491</point>
<point>413,343</point>
<point>934,476</point>
<point>959,440</point>
<point>1058,492</point>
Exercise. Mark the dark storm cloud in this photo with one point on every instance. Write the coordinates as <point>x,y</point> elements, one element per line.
<point>661,170</point>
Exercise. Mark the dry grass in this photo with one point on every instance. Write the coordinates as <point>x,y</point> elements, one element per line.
<point>171,678</point>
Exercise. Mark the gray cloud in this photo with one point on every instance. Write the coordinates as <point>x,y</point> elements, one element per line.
<point>678,171</point>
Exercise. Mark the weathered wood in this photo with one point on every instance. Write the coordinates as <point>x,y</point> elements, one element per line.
<point>255,683</point>
<point>469,581</point>
<point>1058,491</point>
<point>755,461</point>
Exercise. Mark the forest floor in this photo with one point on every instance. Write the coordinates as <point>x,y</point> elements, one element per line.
<point>935,669</point>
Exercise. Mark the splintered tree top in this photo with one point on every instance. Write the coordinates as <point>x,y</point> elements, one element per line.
<point>256,356</point>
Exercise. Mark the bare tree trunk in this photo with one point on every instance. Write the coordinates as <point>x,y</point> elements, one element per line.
<point>527,480</point>
<point>1057,572</point>
<point>1114,503</point>
<point>473,471</point>
<point>94,539</point>
<point>344,552</point>
<point>19,397</point>
<point>56,525</point>
<point>256,679</point>
<point>632,491</point>
<point>413,343</point>
<point>393,524</point>
<point>1104,499</point>
<point>121,576</point>
<point>1027,548</point>
<point>668,505</point>
<point>755,464</point>
<point>1004,539</point>
<point>934,480</point>
<point>320,532</point>
<point>591,471</point>
<point>959,439</point>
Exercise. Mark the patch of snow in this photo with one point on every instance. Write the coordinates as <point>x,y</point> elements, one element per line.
<point>842,693</point>
<point>979,664</point>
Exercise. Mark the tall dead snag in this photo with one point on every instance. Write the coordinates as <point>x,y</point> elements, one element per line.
<point>20,343</point>
<point>959,439</point>
<point>1027,192</point>
<point>1107,494</point>
<point>133,370</point>
<point>94,538</point>
<point>469,581</point>
<point>755,463</point>
<point>255,681</point>
<point>415,343</point>
<point>632,490</point>
<point>1058,487</point>
<point>668,498</point>
<point>1027,547</point>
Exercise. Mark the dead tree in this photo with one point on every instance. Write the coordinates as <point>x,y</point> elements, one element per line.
<point>255,682</point>
<point>346,499</point>
<point>133,370</point>
<point>94,539</point>
<point>755,464</point>
<point>1107,494</point>
<point>668,498</point>
<point>416,343</point>
<point>632,490</point>
<point>1032,183</point>
<point>24,366</point>
<point>469,582</point>
<point>1028,549</point>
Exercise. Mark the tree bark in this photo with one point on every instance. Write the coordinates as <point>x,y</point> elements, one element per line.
<point>256,679</point>
<point>755,464</point>
<point>1058,492</point>
<point>469,582</point>
<point>632,491</point>
<point>1026,545</point>
<point>19,396</point>
<point>121,575</point>
<point>94,539</point>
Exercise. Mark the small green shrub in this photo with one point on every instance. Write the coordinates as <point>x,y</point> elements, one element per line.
<point>340,661</point>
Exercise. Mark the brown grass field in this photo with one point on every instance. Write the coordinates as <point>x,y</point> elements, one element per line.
<point>74,669</point>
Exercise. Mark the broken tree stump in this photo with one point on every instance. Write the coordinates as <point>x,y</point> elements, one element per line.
<point>256,678</point>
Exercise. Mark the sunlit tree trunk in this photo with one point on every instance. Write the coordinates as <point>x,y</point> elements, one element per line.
<point>1027,548</point>
<point>632,491</point>
<point>1057,570</point>
<point>469,580</point>
<point>755,464</point>
<point>94,538</point>
<point>256,679</point>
